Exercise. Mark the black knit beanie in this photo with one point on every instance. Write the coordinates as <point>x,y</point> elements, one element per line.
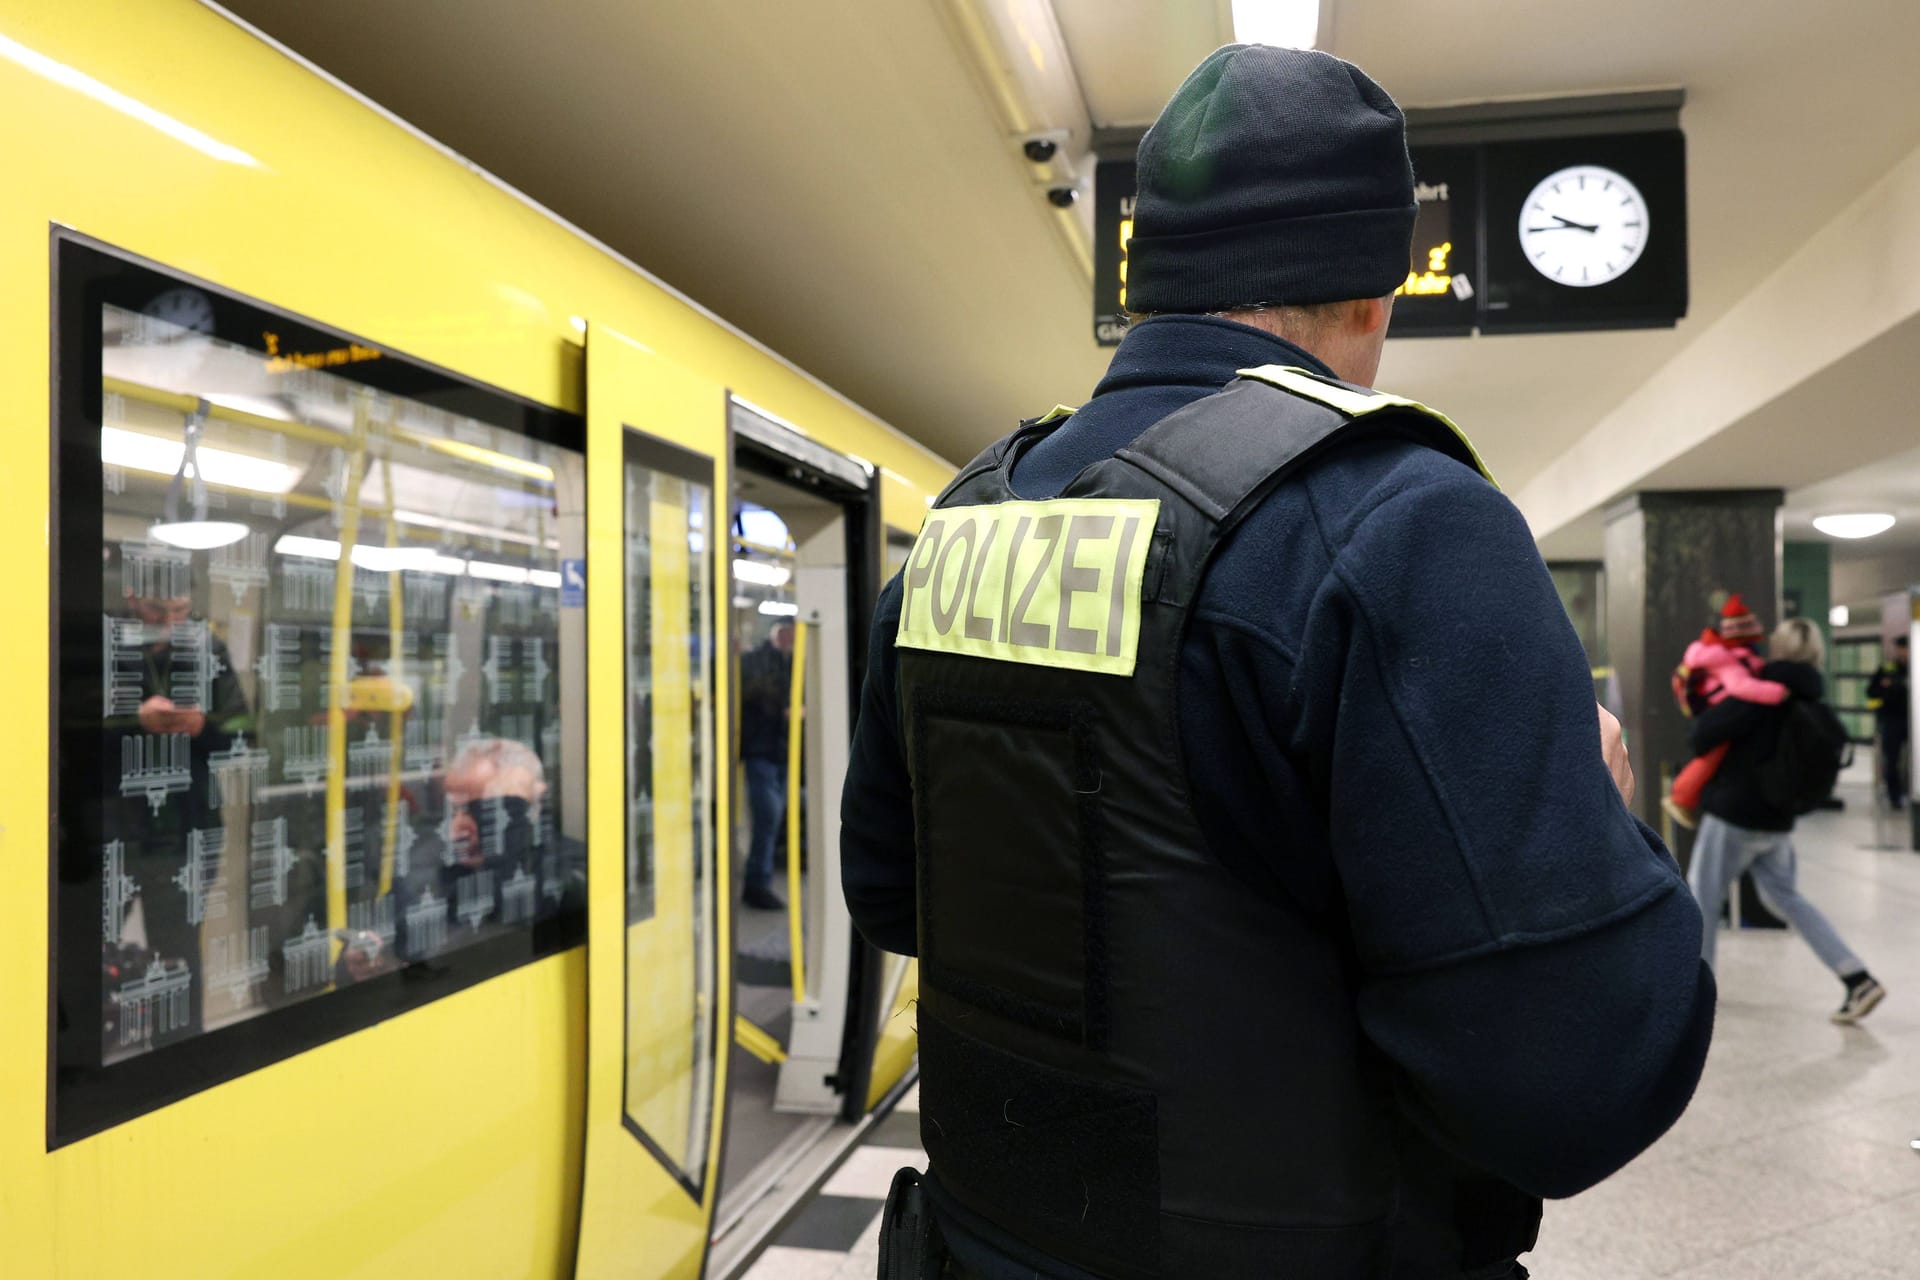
<point>1273,176</point>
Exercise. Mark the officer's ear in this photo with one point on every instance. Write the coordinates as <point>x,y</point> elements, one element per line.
<point>1371,314</point>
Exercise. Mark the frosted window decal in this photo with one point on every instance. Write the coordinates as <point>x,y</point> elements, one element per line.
<point>320,711</point>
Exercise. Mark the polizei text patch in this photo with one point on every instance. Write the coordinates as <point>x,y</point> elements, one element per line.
<point>1056,584</point>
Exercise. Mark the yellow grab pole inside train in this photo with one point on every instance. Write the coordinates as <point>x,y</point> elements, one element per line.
<point>337,679</point>
<point>796,706</point>
<point>396,646</point>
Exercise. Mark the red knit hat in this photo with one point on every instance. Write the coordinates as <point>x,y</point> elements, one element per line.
<point>1737,621</point>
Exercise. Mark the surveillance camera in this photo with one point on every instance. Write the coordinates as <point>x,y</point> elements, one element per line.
<point>1062,197</point>
<point>1040,150</point>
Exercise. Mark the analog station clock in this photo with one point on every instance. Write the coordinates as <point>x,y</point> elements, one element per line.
<point>1584,225</point>
<point>1584,232</point>
<point>186,309</point>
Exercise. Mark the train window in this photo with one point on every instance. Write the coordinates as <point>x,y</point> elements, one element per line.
<point>671,933</point>
<point>310,733</point>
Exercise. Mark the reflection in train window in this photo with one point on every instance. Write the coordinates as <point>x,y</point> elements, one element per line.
<point>310,768</point>
<point>671,960</point>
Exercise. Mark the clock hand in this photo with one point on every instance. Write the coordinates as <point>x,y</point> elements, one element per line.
<point>1590,229</point>
<point>1573,226</point>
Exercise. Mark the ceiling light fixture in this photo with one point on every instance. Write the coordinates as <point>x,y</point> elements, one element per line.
<point>292,544</point>
<point>761,575</point>
<point>497,572</point>
<point>468,526</point>
<point>779,609</point>
<point>377,559</point>
<point>1285,24</point>
<point>394,559</point>
<point>198,535</point>
<point>1861,524</point>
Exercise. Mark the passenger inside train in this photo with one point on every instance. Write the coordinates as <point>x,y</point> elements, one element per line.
<point>1009,639</point>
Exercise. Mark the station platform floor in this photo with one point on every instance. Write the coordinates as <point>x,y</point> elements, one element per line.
<point>836,1234</point>
<point>1793,1159</point>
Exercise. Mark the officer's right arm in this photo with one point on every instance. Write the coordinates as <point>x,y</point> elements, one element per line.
<point>1529,952</point>
<point>876,804</point>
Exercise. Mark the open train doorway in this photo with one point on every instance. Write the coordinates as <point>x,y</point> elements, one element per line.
<point>805,559</point>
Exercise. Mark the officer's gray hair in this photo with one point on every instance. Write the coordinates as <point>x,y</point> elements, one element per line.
<point>1294,321</point>
<point>1797,640</point>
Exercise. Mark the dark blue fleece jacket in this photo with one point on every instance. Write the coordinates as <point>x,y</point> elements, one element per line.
<point>1388,717</point>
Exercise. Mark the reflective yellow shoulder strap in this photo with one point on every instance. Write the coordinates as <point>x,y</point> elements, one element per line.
<point>1356,404</point>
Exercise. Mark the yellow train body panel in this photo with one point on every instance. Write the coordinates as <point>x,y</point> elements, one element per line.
<point>364,1156</point>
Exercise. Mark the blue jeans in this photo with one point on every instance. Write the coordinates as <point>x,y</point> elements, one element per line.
<point>767,808</point>
<point>1722,851</point>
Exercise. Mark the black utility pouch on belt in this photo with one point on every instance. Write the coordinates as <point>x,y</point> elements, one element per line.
<point>910,1243</point>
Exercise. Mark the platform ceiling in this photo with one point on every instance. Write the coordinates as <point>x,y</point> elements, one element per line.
<point>830,176</point>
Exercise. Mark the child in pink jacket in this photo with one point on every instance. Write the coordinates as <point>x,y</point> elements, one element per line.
<point>1721,664</point>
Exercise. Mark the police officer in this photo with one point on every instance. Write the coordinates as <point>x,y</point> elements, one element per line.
<point>1229,762</point>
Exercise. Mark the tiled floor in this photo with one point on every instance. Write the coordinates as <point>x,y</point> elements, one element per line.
<point>1792,1162</point>
<point>837,1235</point>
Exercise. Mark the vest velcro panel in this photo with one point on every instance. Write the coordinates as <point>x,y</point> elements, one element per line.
<point>1043,964</point>
<point>1076,1157</point>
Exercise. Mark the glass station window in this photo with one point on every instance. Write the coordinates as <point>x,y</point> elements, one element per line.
<point>313,646</point>
<point>671,935</point>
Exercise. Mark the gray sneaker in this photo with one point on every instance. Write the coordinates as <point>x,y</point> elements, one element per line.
<point>1860,1002</point>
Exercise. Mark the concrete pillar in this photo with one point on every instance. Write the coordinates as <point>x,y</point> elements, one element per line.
<point>1671,560</point>
<point>1582,585</point>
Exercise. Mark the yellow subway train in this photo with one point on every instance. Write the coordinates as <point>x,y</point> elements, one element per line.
<point>402,587</point>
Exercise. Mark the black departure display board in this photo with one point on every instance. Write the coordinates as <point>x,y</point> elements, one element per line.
<point>1513,236</point>
<point>1441,294</point>
<point>1113,188</point>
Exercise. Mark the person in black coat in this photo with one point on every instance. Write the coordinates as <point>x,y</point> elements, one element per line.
<point>1887,695</point>
<point>766,674</point>
<point>1744,828</point>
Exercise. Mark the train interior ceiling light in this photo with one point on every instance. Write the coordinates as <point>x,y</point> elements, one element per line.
<point>761,575</point>
<point>1864,524</point>
<point>138,451</point>
<point>1288,24</point>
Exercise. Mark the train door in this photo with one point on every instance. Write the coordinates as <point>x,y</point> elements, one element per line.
<point>896,1037</point>
<point>657,989</point>
<point>804,566</point>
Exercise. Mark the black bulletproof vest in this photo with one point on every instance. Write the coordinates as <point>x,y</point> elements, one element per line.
<point>1129,1060</point>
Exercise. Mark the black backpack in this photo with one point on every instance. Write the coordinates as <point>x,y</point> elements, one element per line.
<point>1808,755</point>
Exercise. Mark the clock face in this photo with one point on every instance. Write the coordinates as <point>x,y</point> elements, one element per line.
<point>1584,225</point>
<point>187,309</point>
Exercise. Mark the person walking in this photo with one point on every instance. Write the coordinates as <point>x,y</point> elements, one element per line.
<point>1229,762</point>
<point>1746,825</point>
<point>1887,696</point>
<point>766,676</point>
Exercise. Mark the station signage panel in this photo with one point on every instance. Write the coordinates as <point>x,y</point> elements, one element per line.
<point>1513,236</point>
<point>1441,294</point>
<point>1113,190</point>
